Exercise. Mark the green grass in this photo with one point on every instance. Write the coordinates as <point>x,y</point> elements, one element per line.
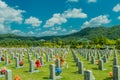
<point>69,73</point>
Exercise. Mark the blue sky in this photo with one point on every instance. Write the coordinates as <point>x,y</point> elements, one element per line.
<point>56,17</point>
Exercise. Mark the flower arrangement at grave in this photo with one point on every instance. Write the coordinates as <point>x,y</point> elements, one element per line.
<point>17,77</point>
<point>21,63</point>
<point>58,71</point>
<point>38,64</point>
<point>62,60</point>
<point>2,58</point>
<point>111,74</point>
<point>44,61</point>
<point>96,61</point>
<point>9,61</point>
<point>2,71</point>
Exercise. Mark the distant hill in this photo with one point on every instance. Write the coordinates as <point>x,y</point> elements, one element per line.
<point>91,33</point>
<point>87,33</point>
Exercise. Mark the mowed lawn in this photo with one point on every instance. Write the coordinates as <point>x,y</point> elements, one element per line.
<point>69,73</point>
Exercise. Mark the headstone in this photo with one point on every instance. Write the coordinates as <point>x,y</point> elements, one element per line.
<point>6,60</point>
<point>58,63</point>
<point>115,53</point>
<point>12,54</point>
<point>31,69</point>
<point>37,56</point>
<point>80,68</point>
<point>99,56</point>
<point>8,75</point>
<point>100,64</point>
<point>20,57</point>
<point>105,59</point>
<point>42,61</point>
<point>47,57</point>
<point>52,72</point>
<point>29,57</point>
<point>51,55</point>
<point>92,60</point>
<point>88,57</point>
<point>17,62</point>
<point>88,75</point>
<point>115,61</point>
<point>77,60</point>
<point>116,72</point>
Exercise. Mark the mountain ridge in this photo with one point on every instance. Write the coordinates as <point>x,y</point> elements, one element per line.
<point>89,33</point>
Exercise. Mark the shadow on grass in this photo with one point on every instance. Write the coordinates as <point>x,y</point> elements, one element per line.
<point>26,71</point>
<point>73,65</point>
<point>108,78</point>
<point>76,72</point>
<point>45,77</point>
<point>110,65</point>
<point>95,68</point>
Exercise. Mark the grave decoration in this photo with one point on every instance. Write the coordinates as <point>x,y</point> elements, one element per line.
<point>21,63</point>
<point>9,61</point>
<point>97,61</point>
<point>2,71</point>
<point>62,60</point>
<point>58,71</point>
<point>17,77</point>
<point>3,58</point>
<point>111,74</point>
<point>38,63</point>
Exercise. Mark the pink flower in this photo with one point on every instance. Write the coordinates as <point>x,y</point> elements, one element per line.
<point>3,71</point>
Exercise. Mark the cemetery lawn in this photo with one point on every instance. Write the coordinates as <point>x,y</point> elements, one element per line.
<point>70,73</point>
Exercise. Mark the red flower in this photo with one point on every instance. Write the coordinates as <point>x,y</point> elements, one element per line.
<point>21,63</point>
<point>38,64</point>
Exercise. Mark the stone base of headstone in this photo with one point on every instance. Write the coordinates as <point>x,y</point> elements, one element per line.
<point>57,78</point>
<point>2,76</point>
<point>20,67</point>
<point>35,71</point>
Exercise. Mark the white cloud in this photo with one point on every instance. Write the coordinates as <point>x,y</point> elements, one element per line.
<point>73,0</point>
<point>74,13</point>
<point>56,19</point>
<point>116,8</point>
<point>119,17</point>
<point>4,29</point>
<point>38,29</point>
<point>97,21</point>
<point>59,19</point>
<point>73,31</point>
<point>16,31</point>
<point>92,1</point>
<point>30,33</point>
<point>8,15</point>
<point>35,22</point>
<point>64,30</point>
<point>48,33</point>
<point>56,28</point>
